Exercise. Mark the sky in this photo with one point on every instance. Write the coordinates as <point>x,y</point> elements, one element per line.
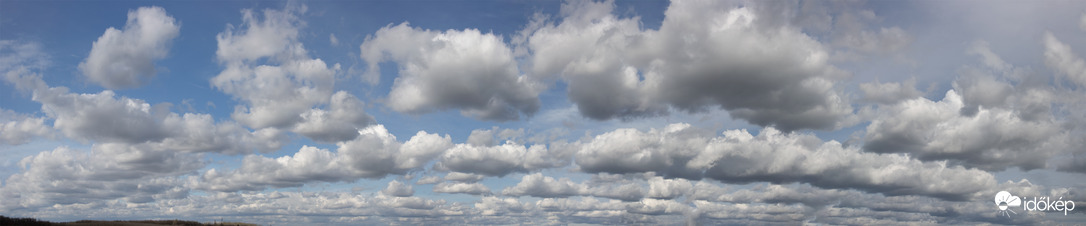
<point>681,112</point>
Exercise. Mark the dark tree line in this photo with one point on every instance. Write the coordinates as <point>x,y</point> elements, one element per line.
<point>5,221</point>
<point>10,221</point>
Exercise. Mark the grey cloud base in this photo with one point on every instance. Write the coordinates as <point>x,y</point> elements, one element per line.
<point>772,156</point>
<point>695,61</point>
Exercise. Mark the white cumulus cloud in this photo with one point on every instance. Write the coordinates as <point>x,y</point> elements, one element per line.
<point>18,129</point>
<point>462,188</point>
<point>455,69</point>
<point>398,189</point>
<point>125,58</point>
<point>269,69</point>
<point>104,117</point>
<point>373,154</point>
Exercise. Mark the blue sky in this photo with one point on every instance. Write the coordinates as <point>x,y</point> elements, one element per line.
<point>541,112</point>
